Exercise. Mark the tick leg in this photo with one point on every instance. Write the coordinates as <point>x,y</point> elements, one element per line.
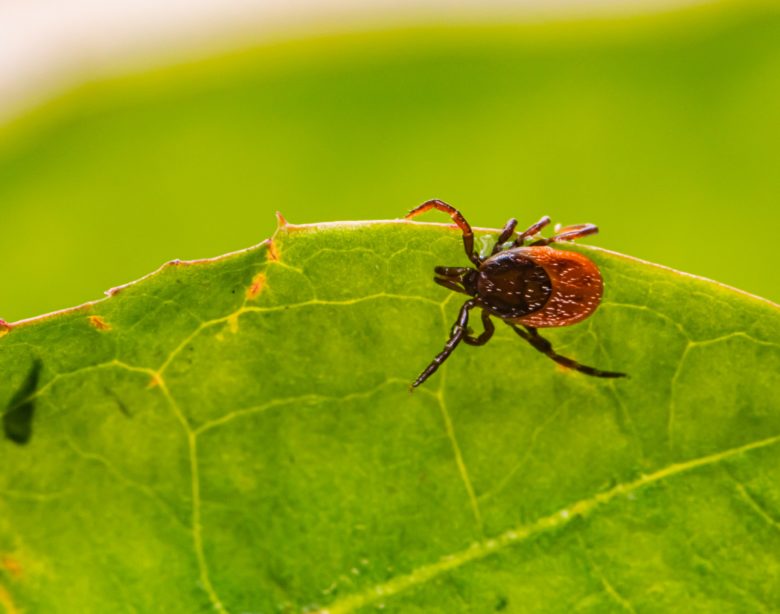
<point>450,276</point>
<point>456,336</point>
<point>487,323</point>
<point>545,347</point>
<point>457,217</point>
<point>450,284</point>
<point>570,233</point>
<point>509,228</point>
<point>451,271</point>
<point>531,230</point>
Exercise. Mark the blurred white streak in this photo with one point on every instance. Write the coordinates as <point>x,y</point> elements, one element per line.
<point>49,45</point>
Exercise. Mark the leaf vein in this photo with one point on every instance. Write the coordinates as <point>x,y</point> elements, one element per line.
<point>482,549</point>
<point>277,308</point>
<point>114,471</point>
<point>526,456</point>
<point>756,506</point>
<point>461,464</point>
<point>197,526</point>
<point>609,589</point>
<point>672,386</point>
<point>312,398</point>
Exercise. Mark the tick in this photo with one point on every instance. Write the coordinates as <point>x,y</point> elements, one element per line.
<point>525,286</point>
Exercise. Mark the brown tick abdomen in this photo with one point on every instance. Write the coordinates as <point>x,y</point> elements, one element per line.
<point>577,287</point>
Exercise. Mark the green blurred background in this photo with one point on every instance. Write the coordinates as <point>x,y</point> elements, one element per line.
<point>663,130</point>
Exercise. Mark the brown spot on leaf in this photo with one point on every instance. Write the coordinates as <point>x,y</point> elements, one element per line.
<point>273,251</point>
<point>256,287</point>
<point>155,381</point>
<point>280,220</point>
<point>5,328</point>
<point>12,566</point>
<point>99,323</point>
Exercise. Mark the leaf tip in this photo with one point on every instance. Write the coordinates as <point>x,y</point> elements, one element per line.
<point>281,221</point>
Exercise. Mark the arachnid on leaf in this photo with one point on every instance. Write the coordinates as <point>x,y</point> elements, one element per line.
<point>248,418</point>
<point>527,287</point>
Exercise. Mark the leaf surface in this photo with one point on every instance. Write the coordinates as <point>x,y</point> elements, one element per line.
<point>237,434</point>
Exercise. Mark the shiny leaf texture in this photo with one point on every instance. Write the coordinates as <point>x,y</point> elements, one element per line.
<point>237,435</point>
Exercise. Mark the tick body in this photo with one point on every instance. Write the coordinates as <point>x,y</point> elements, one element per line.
<point>525,286</point>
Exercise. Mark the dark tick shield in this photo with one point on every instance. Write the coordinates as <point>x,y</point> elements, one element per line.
<point>526,286</point>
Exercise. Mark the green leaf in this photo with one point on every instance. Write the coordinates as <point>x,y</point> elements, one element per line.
<point>237,434</point>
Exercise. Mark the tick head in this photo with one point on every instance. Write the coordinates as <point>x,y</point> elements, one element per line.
<point>457,279</point>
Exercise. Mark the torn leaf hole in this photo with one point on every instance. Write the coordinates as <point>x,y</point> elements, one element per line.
<point>18,416</point>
